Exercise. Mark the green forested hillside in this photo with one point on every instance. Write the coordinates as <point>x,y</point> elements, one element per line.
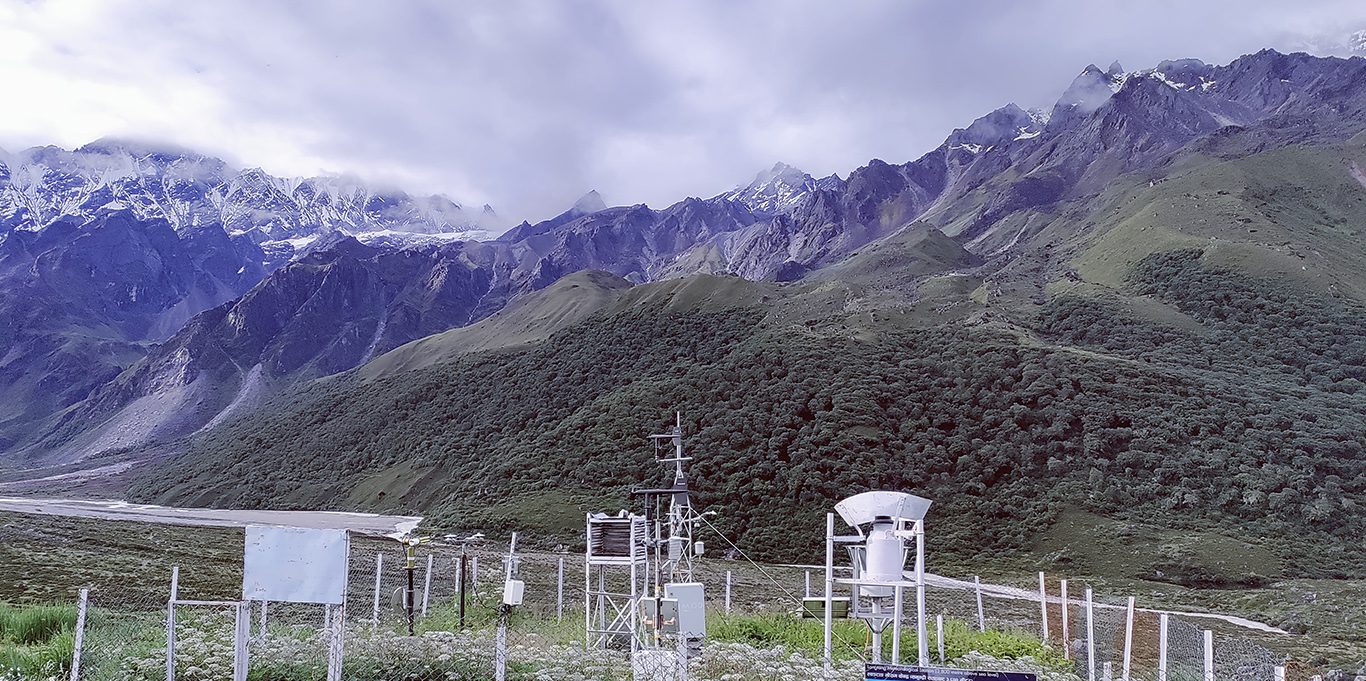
<point>1246,414</point>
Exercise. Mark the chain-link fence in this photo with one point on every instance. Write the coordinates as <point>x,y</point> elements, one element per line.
<point>442,616</point>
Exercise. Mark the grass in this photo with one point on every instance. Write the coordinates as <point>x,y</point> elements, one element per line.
<point>852,639</point>
<point>36,641</point>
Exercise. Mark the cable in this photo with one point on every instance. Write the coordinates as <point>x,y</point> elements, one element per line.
<point>857,651</point>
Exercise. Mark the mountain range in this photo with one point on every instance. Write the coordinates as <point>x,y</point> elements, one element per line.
<point>161,304</point>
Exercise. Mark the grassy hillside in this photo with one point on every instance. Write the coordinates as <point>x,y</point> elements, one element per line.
<point>1250,425</point>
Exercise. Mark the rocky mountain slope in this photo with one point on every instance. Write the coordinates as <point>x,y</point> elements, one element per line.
<point>991,215</point>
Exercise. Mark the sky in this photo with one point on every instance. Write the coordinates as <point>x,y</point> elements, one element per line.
<point>527,104</point>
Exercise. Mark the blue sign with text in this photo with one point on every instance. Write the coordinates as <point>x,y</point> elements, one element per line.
<point>892,672</point>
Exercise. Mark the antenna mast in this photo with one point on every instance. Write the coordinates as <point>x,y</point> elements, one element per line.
<point>678,561</point>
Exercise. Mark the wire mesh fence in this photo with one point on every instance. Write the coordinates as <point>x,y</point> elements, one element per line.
<point>441,616</point>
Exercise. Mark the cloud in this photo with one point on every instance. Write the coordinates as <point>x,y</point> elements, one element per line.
<point>527,104</point>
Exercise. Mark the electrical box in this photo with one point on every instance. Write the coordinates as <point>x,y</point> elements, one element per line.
<point>814,606</point>
<point>513,589</point>
<point>690,598</point>
<point>666,618</point>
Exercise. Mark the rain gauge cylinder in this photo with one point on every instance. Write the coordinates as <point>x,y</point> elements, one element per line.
<point>885,555</point>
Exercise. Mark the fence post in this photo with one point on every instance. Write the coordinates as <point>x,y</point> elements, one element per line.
<point>981,616</point>
<point>170,623</point>
<point>240,661</point>
<point>1066,633</point>
<point>1128,637</point>
<point>80,634</point>
<point>808,584</point>
<point>500,647</point>
<point>1107,671</point>
<point>898,605</point>
<point>1162,647</point>
<point>828,616</point>
<point>427,584</point>
<point>379,571</point>
<point>1043,607</point>
<point>1209,655</point>
<point>474,573</point>
<point>262,625</point>
<point>939,629</point>
<point>1278,674</point>
<point>727,592</point>
<point>1090,637</point>
<point>559,590</point>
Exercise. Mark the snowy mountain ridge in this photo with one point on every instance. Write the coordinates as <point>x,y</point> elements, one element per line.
<point>42,185</point>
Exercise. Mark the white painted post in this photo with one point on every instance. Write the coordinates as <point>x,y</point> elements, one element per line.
<point>1162,647</point>
<point>240,661</point>
<point>474,573</point>
<point>808,584</point>
<point>500,650</point>
<point>337,643</point>
<point>922,641</point>
<point>939,629</point>
<point>379,571</point>
<point>262,625</point>
<point>427,584</point>
<point>1107,671</point>
<point>829,585</point>
<point>1278,674</point>
<point>80,635</point>
<point>727,592</point>
<point>559,591</point>
<point>170,623</point>
<point>1090,637</point>
<point>1128,637</point>
<point>1043,608</point>
<point>981,615</point>
<point>1066,633</point>
<point>898,610</point>
<point>1209,655</point>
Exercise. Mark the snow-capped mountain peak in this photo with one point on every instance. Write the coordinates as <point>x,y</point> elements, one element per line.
<point>776,190</point>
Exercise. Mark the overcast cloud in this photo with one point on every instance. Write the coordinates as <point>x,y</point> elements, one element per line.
<point>527,105</point>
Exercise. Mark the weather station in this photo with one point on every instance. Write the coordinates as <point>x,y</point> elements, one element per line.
<point>640,594</point>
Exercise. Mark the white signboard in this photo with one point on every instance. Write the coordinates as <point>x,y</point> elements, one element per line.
<point>295,565</point>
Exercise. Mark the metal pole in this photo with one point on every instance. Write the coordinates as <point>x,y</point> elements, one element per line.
<point>170,623</point>
<point>474,573</point>
<point>1107,671</point>
<point>427,584</point>
<point>408,596</point>
<point>829,583</point>
<point>1278,674</point>
<point>1162,647</point>
<point>1090,637</point>
<point>1128,637</point>
<point>898,612</point>
<point>922,639</point>
<point>463,566</point>
<point>727,592</point>
<point>1209,655</point>
<point>939,630</point>
<point>559,591</point>
<point>1066,634</point>
<point>808,584</point>
<point>1043,607</point>
<point>981,616</point>
<point>262,625</point>
<point>379,571</point>
<point>80,635</point>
